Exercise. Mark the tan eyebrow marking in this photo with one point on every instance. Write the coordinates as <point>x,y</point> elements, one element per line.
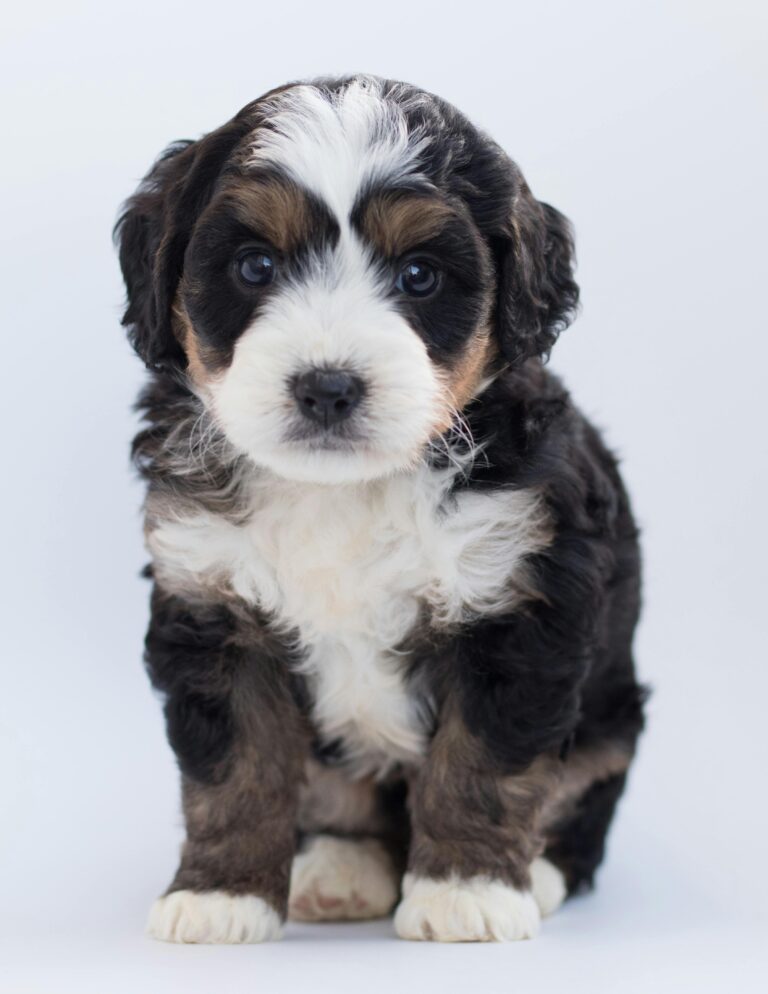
<point>276,209</point>
<point>395,222</point>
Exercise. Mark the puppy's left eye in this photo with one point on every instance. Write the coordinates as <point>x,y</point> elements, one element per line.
<point>417,278</point>
<point>256,268</point>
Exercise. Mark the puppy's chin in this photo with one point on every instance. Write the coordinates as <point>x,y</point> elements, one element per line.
<point>328,466</point>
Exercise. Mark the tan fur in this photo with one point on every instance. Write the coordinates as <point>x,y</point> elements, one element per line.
<point>199,365</point>
<point>468,821</point>
<point>582,769</point>
<point>329,800</point>
<point>276,210</point>
<point>240,826</point>
<point>332,802</point>
<point>395,223</point>
<point>468,374</point>
<point>461,380</point>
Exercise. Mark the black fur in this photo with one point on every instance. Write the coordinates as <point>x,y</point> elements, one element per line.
<point>563,666</point>
<point>196,655</point>
<point>446,322</point>
<point>555,676</point>
<point>530,242</point>
<point>191,655</point>
<point>218,304</point>
<point>154,231</point>
<point>577,844</point>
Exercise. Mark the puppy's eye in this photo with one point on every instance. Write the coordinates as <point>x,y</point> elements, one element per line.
<point>417,278</point>
<point>256,268</point>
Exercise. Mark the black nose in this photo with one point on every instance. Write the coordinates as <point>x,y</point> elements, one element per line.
<point>327,396</point>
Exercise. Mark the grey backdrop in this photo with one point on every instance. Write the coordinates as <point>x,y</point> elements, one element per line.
<point>645,123</point>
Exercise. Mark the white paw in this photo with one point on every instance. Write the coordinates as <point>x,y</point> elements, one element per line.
<point>214,916</point>
<point>339,879</point>
<point>474,910</point>
<point>548,886</point>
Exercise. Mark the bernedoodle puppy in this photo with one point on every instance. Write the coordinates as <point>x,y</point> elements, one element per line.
<point>396,574</point>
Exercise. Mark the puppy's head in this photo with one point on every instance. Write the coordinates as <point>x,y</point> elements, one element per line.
<point>337,271</point>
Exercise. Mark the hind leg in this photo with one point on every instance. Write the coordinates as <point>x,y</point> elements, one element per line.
<point>576,843</point>
<point>341,879</point>
<point>352,850</point>
<point>575,822</point>
<point>577,818</point>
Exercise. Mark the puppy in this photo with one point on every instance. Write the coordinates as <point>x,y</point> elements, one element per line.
<point>395,570</point>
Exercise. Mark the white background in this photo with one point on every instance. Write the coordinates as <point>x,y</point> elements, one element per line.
<point>645,123</point>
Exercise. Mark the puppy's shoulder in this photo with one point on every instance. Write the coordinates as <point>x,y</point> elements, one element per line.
<point>536,437</point>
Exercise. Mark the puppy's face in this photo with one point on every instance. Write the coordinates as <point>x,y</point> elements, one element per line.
<point>332,264</point>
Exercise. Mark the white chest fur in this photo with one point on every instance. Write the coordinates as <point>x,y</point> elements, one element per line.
<point>348,569</point>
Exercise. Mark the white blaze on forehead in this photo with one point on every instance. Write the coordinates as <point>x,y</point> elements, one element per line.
<point>336,144</point>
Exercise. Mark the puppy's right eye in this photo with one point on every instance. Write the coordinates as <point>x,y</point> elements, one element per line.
<point>418,278</point>
<point>256,268</point>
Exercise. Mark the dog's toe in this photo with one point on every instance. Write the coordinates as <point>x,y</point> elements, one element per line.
<point>548,886</point>
<point>474,910</point>
<point>338,879</point>
<point>212,917</point>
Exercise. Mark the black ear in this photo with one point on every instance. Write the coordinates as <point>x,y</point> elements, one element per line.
<point>537,292</point>
<point>153,233</point>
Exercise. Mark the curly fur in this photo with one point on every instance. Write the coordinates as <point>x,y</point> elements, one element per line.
<point>456,627</point>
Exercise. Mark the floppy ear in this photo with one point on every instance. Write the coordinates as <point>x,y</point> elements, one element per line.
<point>537,293</point>
<point>153,233</point>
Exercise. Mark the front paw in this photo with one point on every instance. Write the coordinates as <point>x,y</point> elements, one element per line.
<point>212,917</point>
<point>474,910</point>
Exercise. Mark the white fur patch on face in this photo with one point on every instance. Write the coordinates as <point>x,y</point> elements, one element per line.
<point>212,917</point>
<point>474,910</point>
<point>349,570</point>
<point>337,879</point>
<point>339,314</point>
<point>548,886</point>
<point>341,323</point>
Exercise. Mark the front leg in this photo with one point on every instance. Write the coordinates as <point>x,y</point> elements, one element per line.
<point>475,837</point>
<point>240,742</point>
<point>511,699</point>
